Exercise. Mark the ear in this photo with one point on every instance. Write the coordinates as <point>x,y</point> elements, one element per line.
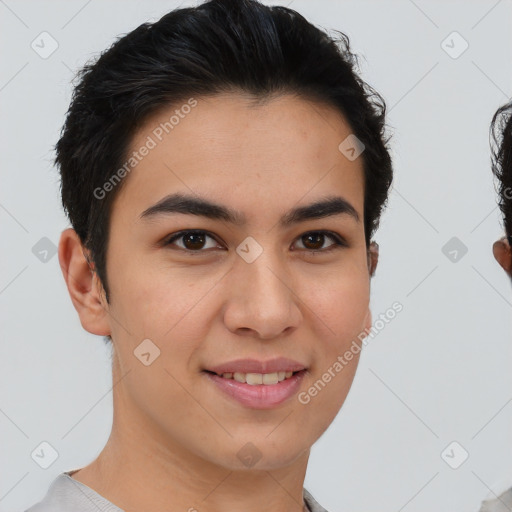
<point>83,284</point>
<point>373,257</point>
<point>503,254</point>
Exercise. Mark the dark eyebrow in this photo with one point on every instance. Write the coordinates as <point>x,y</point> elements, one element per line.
<point>190,205</point>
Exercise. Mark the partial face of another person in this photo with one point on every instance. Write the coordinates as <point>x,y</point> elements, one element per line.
<point>245,281</point>
<point>503,254</point>
<point>501,152</point>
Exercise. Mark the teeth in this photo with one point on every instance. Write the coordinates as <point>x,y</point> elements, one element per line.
<point>270,378</point>
<point>239,377</point>
<point>254,379</point>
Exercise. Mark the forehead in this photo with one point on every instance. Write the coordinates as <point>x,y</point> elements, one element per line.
<point>228,148</point>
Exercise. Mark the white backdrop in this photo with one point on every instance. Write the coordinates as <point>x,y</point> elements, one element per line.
<point>438,373</point>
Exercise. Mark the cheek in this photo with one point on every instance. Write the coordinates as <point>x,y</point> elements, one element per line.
<point>340,306</point>
<point>157,300</point>
<point>340,312</point>
<point>175,311</point>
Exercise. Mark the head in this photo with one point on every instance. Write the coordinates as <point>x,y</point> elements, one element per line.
<point>501,135</point>
<point>224,170</point>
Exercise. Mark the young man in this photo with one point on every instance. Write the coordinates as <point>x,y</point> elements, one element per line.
<point>224,170</point>
<point>501,132</point>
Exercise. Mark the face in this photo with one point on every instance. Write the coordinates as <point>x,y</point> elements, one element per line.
<point>241,284</point>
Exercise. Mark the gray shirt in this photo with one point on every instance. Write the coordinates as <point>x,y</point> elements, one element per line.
<point>502,503</point>
<point>69,495</point>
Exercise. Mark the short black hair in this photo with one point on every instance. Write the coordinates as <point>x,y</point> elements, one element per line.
<point>218,46</point>
<point>501,161</point>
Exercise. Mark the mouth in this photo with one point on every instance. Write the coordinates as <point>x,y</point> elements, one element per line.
<point>255,379</point>
<point>257,390</point>
<point>257,384</point>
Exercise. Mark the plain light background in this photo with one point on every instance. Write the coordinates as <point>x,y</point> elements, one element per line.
<point>438,373</point>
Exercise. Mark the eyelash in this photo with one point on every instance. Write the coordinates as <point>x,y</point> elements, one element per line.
<point>339,242</point>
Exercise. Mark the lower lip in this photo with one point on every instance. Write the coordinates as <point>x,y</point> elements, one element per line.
<point>260,396</point>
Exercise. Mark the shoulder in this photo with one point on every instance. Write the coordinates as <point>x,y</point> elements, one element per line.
<point>503,503</point>
<point>66,493</point>
<point>312,504</point>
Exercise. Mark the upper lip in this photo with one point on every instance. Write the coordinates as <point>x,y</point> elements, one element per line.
<point>278,364</point>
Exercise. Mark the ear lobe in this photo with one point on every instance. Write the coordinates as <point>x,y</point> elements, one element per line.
<point>373,257</point>
<point>83,284</point>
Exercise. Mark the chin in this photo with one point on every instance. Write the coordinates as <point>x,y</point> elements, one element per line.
<point>253,456</point>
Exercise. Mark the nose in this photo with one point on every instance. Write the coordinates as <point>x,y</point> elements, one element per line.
<point>261,301</point>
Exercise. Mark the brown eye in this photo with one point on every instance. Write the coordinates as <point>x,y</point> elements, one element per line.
<point>314,241</point>
<point>193,241</point>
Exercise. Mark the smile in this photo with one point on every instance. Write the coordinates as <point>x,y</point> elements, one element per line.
<point>257,390</point>
<point>254,379</point>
